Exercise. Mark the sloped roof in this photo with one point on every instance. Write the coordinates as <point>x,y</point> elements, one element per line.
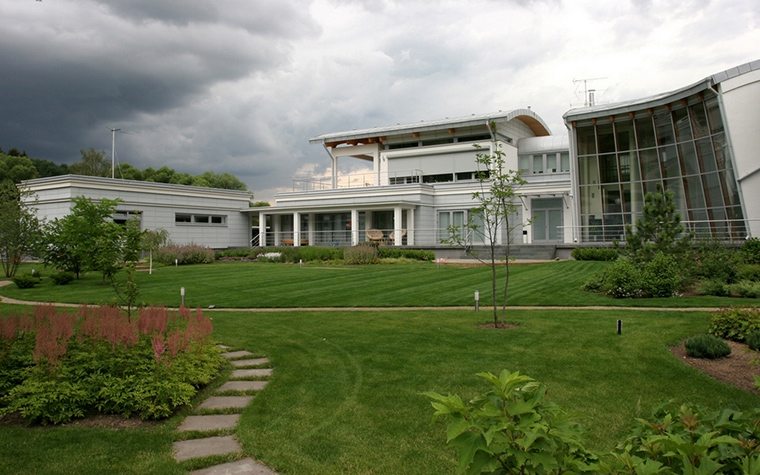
<point>530,118</point>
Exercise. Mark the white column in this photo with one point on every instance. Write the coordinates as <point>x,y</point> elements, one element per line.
<point>354,227</point>
<point>276,229</point>
<point>262,229</point>
<point>296,228</point>
<point>376,166</point>
<point>410,227</point>
<point>312,230</point>
<point>334,172</point>
<point>397,225</point>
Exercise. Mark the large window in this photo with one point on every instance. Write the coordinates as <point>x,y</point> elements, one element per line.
<point>540,163</point>
<point>681,148</point>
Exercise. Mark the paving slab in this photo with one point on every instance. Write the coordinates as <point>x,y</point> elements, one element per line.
<point>225,402</point>
<point>214,422</point>
<point>188,449</point>
<point>247,466</point>
<point>237,354</point>
<point>243,386</point>
<point>224,347</point>
<point>247,373</point>
<point>251,362</point>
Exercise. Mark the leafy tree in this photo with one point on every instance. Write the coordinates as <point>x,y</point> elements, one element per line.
<point>46,168</point>
<point>20,230</point>
<point>658,230</point>
<point>495,214</point>
<point>16,168</point>
<point>94,163</point>
<point>224,180</point>
<point>259,204</point>
<point>129,172</point>
<point>77,242</point>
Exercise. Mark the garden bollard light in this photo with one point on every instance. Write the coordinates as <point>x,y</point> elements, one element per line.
<point>182,295</point>
<point>477,300</point>
<point>176,262</point>
<point>620,326</point>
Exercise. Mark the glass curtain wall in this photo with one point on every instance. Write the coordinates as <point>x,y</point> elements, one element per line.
<point>680,148</point>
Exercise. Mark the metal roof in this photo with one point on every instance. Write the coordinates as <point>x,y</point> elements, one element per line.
<point>662,98</point>
<point>423,126</point>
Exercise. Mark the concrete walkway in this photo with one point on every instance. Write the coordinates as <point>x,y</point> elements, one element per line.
<point>224,444</point>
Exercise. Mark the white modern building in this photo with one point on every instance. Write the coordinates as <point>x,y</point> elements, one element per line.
<point>700,141</point>
<point>420,180</point>
<point>190,214</point>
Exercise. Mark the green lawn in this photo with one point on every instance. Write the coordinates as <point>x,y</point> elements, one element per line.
<point>345,396</point>
<point>261,285</point>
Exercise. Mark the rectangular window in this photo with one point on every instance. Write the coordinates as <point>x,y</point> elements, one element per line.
<point>551,163</point>
<point>185,218</point>
<point>524,164</point>
<point>538,164</point>
<point>586,140</point>
<point>606,138</point>
<point>664,129</point>
<point>683,129</point>
<point>645,132</point>
<point>624,135</point>
<point>565,161</point>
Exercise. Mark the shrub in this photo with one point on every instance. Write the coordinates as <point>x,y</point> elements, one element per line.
<point>62,278</point>
<point>62,365</point>
<point>753,340</point>
<point>661,277</point>
<point>714,261</point>
<point>595,283</point>
<point>750,251</point>
<point>25,281</point>
<point>746,289</point>
<point>707,346</point>
<point>183,254</point>
<point>595,254</point>
<point>360,255</point>
<point>748,272</point>
<point>734,323</point>
<point>320,254</point>
<point>398,253</point>
<point>714,287</point>
<point>623,279</point>
<point>513,428</point>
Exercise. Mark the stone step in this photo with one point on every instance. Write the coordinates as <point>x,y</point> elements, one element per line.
<point>243,386</point>
<point>225,402</point>
<point>247,466</point>
<point>237,354</point>
<point>252,362</point>
<point>247,373</point>
<point>188,449</point>
<point>203,423</point>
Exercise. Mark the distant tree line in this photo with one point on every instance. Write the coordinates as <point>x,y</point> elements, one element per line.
<point>16,166</point>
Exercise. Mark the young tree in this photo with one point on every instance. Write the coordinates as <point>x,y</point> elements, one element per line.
<point>495,215</point>
<point>20,230</point>
<point>658,230</point>
<point>152,239</point>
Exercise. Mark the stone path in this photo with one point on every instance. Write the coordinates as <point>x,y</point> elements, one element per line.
<point>227,444</point>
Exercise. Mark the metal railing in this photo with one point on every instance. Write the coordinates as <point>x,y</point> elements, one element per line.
<point>728,230</point>
<point>359,180</point>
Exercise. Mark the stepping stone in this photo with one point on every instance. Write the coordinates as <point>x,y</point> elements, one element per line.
<point>188,449</point>
<point>224,347</point>
<point>209,422</point>
<point>225,402</point>
<point>254,362</point>
<point>247,466</point>
<point>237,354</point>
<point>243,386</point>
<point>247,373</point>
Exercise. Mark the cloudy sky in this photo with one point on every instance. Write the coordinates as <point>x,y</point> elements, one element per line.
<point>240,86</point>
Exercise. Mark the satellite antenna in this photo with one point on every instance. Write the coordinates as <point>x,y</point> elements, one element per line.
<point>588,94</point>
<point>113,149</point>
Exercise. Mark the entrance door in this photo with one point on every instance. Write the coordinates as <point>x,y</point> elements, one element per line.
<point>547,220</point>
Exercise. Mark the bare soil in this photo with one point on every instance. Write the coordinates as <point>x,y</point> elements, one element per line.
<point>735,369</point>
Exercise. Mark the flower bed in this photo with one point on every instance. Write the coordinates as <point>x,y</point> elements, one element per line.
<point>56,366</point>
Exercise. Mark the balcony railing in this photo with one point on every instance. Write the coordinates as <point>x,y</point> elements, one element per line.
<point>359,180</point>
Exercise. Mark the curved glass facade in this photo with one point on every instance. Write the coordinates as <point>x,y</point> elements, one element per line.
<point>681,147</point>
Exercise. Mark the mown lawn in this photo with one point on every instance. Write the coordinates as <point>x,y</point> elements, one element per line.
<point>262,285</point>
<point>345,395</point>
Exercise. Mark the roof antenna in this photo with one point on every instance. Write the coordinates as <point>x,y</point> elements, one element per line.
<point>588,94</point>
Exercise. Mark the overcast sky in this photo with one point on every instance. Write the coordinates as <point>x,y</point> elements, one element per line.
<point>240,86</point>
